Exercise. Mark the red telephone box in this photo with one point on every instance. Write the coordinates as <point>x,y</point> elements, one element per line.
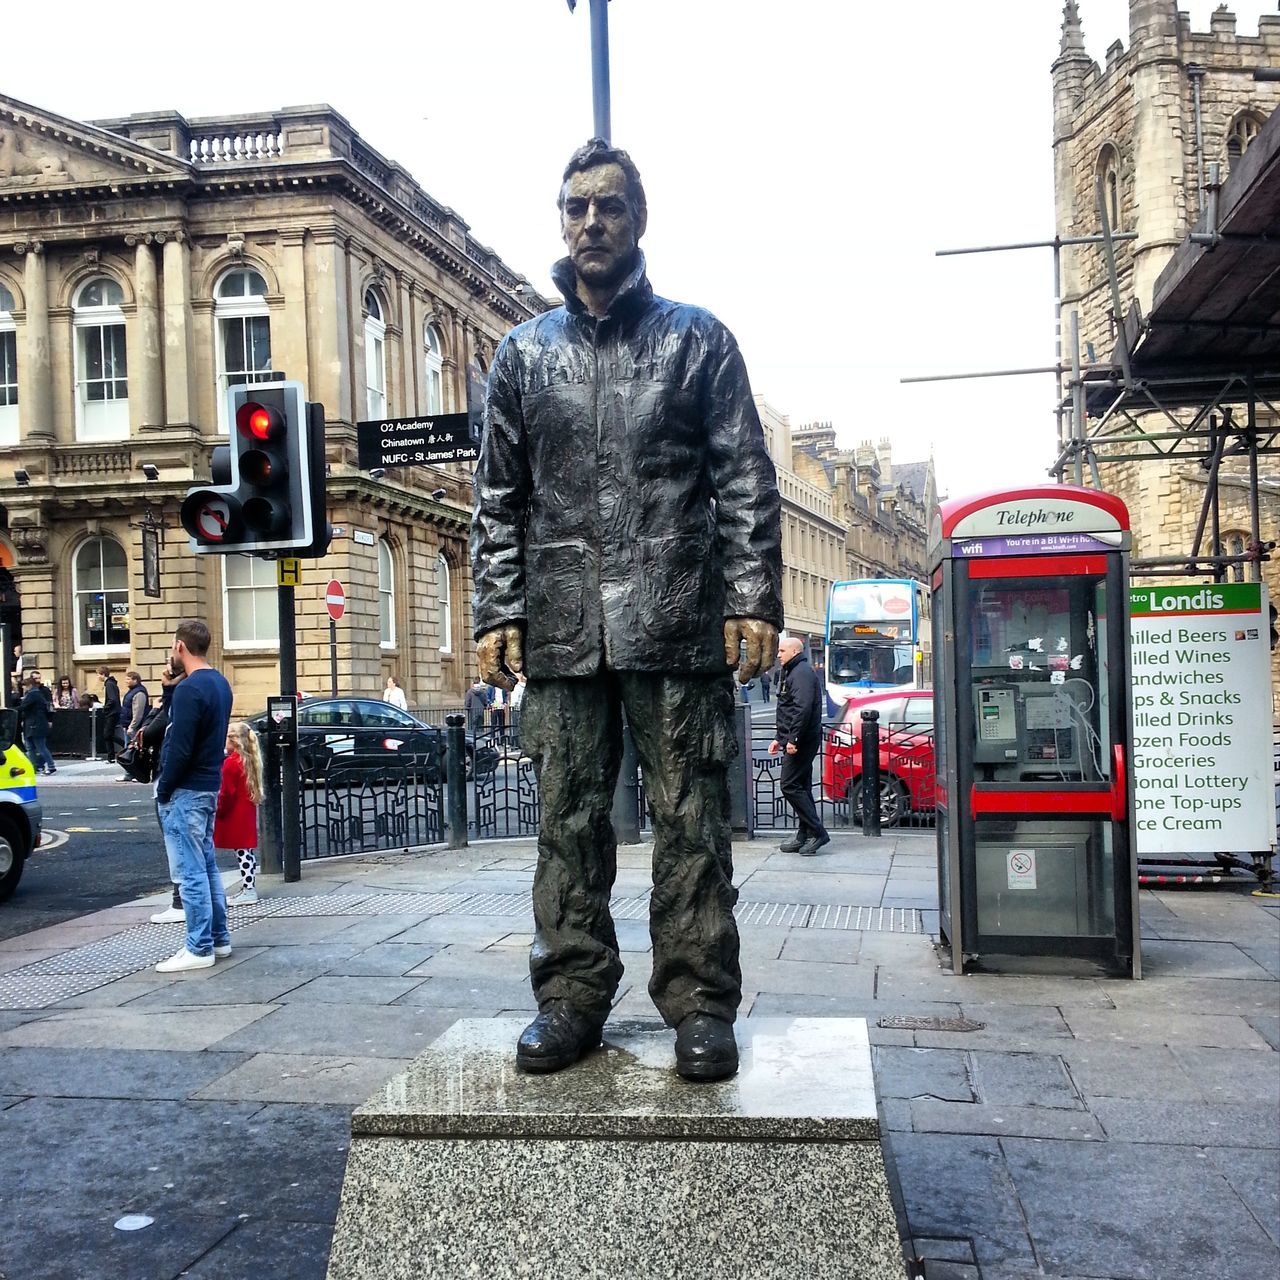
<point>1036,855</point>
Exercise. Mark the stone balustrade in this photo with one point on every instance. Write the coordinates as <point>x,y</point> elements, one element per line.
<point>237,147</point>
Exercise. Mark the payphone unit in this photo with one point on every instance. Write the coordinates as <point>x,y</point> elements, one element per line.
<point>1033,725</point>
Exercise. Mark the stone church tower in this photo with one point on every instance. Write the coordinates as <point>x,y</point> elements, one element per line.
<point>1147,126</point>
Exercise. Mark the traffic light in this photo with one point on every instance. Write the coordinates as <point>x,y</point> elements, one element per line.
<point>267,493</point>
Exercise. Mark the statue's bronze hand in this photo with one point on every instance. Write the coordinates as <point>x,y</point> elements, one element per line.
<point>762,645</point>
<point>500,654</point>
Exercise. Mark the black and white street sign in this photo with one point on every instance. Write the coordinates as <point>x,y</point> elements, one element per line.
<point>413,442</point>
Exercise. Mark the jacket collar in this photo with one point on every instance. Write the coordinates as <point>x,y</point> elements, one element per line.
<point>636,291</point>
<point>789,667</point>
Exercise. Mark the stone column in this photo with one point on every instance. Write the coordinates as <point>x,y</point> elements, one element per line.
<point>146,365</point>
<point>290,349</point>
<point>410,346</point>
<point>179,338</point>
<point>330,323</point>
<point>37,376</point>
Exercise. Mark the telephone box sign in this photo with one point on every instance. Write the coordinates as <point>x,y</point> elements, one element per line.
<point>1044,520</point>
<point>1202,766</point>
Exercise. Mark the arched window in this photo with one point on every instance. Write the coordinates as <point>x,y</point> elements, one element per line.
<point>244,333</point>
<point>444,605</point>
<point>386,596</point>
<point>102,369</point>
<point>375,355</point>
<point>1244,128</point>
<point>434,358</point>
<point>251,617</point>
<point>1109,174</point>
<point>1233,544</point>
<point>8,370</point>
<point>100,594</point>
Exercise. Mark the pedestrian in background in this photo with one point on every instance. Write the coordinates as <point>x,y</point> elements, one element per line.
<point>766,683</point>
<point>150,740</point>
<point>133,711</point>
<point>187,792</point>
<point>474,704</point>
<point>66,697</point>
<point>34,710</point>
<point>498,712</point>
<point>236,824</point>
<point>799,735</point>
<point>110,716</point>
<point>517,705</point>
<point>394,694</point>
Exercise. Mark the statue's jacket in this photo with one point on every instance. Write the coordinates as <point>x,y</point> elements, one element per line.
<point>626,503</point>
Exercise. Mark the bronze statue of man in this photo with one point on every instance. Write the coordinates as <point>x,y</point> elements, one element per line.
<point>626,549</point>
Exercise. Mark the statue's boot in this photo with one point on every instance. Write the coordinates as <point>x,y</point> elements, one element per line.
<point>705,1048</point>
<point>556,1039</point>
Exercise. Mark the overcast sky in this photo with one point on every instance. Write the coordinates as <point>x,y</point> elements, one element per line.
<point>803,160</point>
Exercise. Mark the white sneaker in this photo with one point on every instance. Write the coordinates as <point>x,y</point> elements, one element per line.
<point>183,961</point>
<point>170,915</point>
<point>222,952</point>
<point>245,898</point>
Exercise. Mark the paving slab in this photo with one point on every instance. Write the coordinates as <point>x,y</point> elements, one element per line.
<point>1200,959</point>
<point>303,1078</point>
<point>1203,1124</point>
<point>362,991</point>
<point>806,886</point>
<point>462,961</point>
<point>277,1248</point>
<point>385,959</point>
<point>479,931</point>
<point>280,931</point>
<point>1023,1080</point>
<point>461,993</point>
<point>1162,1026</point>
<point>956,1185</point>
<point>390,1031</point>
<point>931,1116</point>
<point>1177,1217</point>
<point>812,978</point>
<point>1019,1027</point>
<point>1100,1069</point>
<point>923,1073</point>
<point>1255,1177</point>
<point>184,1029</point>
<point>1267,1026</point>
<point>110,1073</point>
<point>234,987</point>
<point>825,947</point>
<point>1197,995</point>
<point>1226,1075</point>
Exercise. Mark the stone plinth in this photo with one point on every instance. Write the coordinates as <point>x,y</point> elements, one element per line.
<point>461,1166</point>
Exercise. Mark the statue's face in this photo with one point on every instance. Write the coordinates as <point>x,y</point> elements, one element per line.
<point>598,225</point>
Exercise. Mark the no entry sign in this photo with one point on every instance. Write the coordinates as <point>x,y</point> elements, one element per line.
<point>335,598</point>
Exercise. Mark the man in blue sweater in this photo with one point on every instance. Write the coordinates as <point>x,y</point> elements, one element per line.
<point>187,795</point>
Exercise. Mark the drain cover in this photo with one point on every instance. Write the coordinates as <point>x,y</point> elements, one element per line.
<point>910,1022</point>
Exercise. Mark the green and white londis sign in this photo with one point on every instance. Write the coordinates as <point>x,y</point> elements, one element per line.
<point>1202,719</point>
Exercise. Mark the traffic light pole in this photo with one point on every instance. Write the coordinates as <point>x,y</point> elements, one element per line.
<point>291,852</point>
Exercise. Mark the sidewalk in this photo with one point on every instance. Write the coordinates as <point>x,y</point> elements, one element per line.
<point>80,771</point>
<point>1082,1128</point>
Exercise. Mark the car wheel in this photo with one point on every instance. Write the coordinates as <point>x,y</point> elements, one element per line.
<point>12,860</point>
<point>893,801</point>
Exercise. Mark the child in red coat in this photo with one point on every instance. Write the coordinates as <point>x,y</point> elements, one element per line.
<point>235,825</point>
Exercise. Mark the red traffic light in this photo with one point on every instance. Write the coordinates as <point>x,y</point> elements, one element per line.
<point>258,421</point>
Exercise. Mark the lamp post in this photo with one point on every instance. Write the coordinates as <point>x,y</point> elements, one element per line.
<point>601,125</point>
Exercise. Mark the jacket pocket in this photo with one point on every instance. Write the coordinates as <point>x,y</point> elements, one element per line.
<point>674,573</point>
<point>554,582</point>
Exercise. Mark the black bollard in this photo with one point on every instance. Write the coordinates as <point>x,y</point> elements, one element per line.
<point>870,773</point>
<point>626,795</point>
<point>455,763</point>
<point>270,841</point>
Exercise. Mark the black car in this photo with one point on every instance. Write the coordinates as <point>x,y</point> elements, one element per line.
<point>364,734</point>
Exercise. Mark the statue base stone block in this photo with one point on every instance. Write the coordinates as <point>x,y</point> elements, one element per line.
<point>615,1167</point>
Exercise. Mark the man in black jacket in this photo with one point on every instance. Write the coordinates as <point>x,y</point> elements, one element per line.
<point>625,546</point>
<point>799,735</point>
<point>34,710</point>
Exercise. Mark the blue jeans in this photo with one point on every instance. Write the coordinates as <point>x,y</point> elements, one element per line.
<point>38,749</point>
<point>187,822</point>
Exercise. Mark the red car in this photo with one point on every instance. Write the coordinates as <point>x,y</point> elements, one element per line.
<point>906,753</point>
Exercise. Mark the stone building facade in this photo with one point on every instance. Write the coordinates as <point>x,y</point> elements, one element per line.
<point>846,514</point>
<point>145,264</point>
<point>1133,124</point>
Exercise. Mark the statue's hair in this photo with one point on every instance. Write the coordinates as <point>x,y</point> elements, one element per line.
<point>598,152</point>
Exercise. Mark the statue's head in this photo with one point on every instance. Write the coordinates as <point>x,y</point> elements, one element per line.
<point>603,213</point>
